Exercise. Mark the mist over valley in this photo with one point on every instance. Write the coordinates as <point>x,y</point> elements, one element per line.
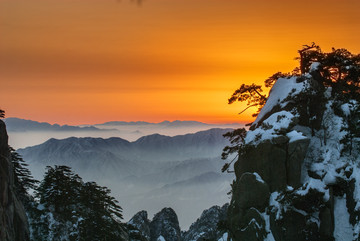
<point>152,172</point>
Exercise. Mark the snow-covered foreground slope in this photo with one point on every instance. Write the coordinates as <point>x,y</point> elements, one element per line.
<point>182,172</point>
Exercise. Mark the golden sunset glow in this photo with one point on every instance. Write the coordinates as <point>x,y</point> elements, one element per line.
<point>76,61</point>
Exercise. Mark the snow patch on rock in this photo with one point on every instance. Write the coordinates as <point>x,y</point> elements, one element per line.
<point>282,88</point>
<point>271,128</point>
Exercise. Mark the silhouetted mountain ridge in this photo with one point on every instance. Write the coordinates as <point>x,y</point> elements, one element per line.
<point>21,125</point>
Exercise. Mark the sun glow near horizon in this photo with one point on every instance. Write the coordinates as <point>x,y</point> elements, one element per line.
<point>76,62</point>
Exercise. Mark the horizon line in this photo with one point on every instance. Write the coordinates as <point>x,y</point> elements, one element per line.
<point>133,121</point>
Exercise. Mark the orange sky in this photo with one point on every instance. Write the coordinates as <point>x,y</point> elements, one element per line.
<point>77,61</point>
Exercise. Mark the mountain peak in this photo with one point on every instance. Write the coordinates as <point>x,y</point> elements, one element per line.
<point>206,227</point>
<point>165,224</point>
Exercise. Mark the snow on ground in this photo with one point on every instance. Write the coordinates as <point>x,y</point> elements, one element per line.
<point>161,238</point>
<point>315,184</point>
<point>269,236</point>
<point>343,229</point>
<point>324,153</point>
<point>295,136</point>
<point>275,204</point>
<point>356,176</point>
<point>271,128</point>
<point>314,66</point>
<point>224,237</point>
<point>347,108</point>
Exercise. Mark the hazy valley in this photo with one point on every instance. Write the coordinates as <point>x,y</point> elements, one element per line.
<point>25,133</point>
<point>155,171</point>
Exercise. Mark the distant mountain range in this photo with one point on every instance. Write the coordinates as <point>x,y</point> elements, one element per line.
<point>24,133</point>
<point>163,123</point>
<point>21,125</point>
<point>153,148</point>
<point>152,172</point>
<point>146,165</point>
<point>14,124</point>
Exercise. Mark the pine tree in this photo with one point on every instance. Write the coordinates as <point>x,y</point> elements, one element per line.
<point>237,144</point>
<point>2,113</point>
<point>59,189</point>
<point>251,94</point>
<point>101,214</point>
<point>307,55</point>
<point>338,71</point>
<point>75,210</point>
<point>23,180</point>
<point>58,196</point>
<point>341,70</point>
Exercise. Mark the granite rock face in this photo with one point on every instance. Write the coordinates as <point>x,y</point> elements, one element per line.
<point>244,214</point>
<point>206,227</point>
<point>279,165</point>
<point>13,220</point>
<point>165,224</point>
<point>297,177</point>
<point>139,226</point>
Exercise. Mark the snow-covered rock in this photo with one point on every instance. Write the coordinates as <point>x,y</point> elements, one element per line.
<point>279,94</point>
<point>305,146</point>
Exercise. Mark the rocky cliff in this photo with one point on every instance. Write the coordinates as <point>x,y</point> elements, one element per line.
<point>164,226</point>
<point>297,179</point>
<point>13,220</point>
<point>207,227</point>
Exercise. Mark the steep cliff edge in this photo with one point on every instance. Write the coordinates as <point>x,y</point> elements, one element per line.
<point>298,176</point>
<point>13,220</point>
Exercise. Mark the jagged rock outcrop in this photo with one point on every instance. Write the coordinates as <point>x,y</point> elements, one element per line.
<point>13,220</point>
<point>277,161</point>
<point>139,226</point>
<point>252,197</point>
<point>270,166</point>
<point>295,179</point>
<point>207,226</point>
<point>165,225</point>
<point>309,211</point>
